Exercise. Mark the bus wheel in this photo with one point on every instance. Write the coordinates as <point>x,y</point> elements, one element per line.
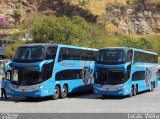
<point>29,98</point>
<point>132,92</point>
<point>135,90</point>
<point>56,93</point>
<point>152,87</point>
<point>104,96</point>
<point>64,91</point>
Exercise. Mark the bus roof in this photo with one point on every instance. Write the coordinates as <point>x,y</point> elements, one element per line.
<point>50,44</point>
<point>127,48</point>
<point>38,44</point>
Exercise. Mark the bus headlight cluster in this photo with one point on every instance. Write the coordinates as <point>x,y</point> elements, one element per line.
<point>121,87</point>
<point>40,86</point>
<point>37,93</point>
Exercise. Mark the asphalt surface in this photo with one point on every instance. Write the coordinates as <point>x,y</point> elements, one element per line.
<point>146,102</point>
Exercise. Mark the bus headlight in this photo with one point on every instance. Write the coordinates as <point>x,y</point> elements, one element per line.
<point>40,86</point>
<point>121,87</point>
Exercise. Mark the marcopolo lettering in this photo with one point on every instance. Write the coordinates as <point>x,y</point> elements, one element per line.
<point>67,64</point>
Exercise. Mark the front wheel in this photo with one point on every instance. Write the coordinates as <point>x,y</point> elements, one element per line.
<point>56,93</point>
<point>64,92</point>
<point>132,92</point>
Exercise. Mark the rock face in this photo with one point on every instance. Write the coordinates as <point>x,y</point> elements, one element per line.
<point>18,10</point>
<point>134,19</point>
<point>129,19</point>
<point>15,11</point>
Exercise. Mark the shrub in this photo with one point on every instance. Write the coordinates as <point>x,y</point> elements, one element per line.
<point>10,49</point>
<point>142,43</point>
<point>3,22</point>
<point>64,30</point>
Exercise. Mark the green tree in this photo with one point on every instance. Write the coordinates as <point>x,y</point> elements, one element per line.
<point>142,43</point>
<point>64,30</point>
<point>10,49</point>
<point>127,42</point>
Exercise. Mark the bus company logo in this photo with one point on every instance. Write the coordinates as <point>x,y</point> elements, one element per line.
<point>147,77</point>
<point>63,64</point>
<point>86,76</point>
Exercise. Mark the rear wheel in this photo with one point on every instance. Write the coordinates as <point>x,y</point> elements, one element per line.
<point>64,91</point>
<point>132,91</point>
<point>135,90</point>
<point>56,93</point>
<point>152,87</point>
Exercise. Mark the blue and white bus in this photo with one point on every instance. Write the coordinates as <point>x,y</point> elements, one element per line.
<point>125,71</point>
<point>40,70</point>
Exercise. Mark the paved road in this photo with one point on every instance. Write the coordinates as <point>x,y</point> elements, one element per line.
<point>145,102</point>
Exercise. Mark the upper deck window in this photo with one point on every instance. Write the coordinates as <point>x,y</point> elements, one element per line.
<point>51,53</point>
<point>111,56</point>
<point>29,53</point>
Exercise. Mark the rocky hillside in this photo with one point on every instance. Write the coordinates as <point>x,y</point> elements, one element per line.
<point>120,17</point>
<point>18,10</point>
<point>133,19</point>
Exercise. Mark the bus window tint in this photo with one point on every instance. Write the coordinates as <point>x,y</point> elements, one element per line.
<point>51,53</point>
<point>145,57</point>
<point>29,53</point>
<point>76,54</point>
<point>108,56</point>
<point>129,55</point>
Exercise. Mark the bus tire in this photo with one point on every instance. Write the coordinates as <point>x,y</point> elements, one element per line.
<point>29,98</point>
<point>64,91</point>
<point>56,93</point>
<point>135,90</point>
<point>152,87</point>
<point>104,96</point>
<point>132,91</point>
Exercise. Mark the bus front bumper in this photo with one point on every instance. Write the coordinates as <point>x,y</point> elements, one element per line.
<point>113,90</point>
<point>30,91</point>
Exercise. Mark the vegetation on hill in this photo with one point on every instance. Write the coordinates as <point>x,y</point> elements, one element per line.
<point>64,30</point>
<point>76,31</point>
<point>57,26</point>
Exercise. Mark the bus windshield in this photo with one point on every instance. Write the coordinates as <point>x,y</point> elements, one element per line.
<point>111,56</point>
<point>29,53</point>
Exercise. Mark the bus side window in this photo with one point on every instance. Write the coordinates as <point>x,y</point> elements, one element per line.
<point>94,55</point>
<point>51,53</point>
<point>83,55</point>
<point>64,54</point>
<point>129,56</point>
<point>60,58</point>
<point>87,55</point>
<point>136,57</point>
<point>76,54</point>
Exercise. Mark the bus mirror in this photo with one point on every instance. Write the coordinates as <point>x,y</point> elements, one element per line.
<point>8,75</point>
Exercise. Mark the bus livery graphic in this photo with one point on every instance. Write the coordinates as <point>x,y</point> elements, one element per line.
<point>87,76</point>
<point>147,77</point>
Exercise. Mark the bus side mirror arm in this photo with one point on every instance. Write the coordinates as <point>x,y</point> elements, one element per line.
<point>42,63</point>
<point>6,66</point>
